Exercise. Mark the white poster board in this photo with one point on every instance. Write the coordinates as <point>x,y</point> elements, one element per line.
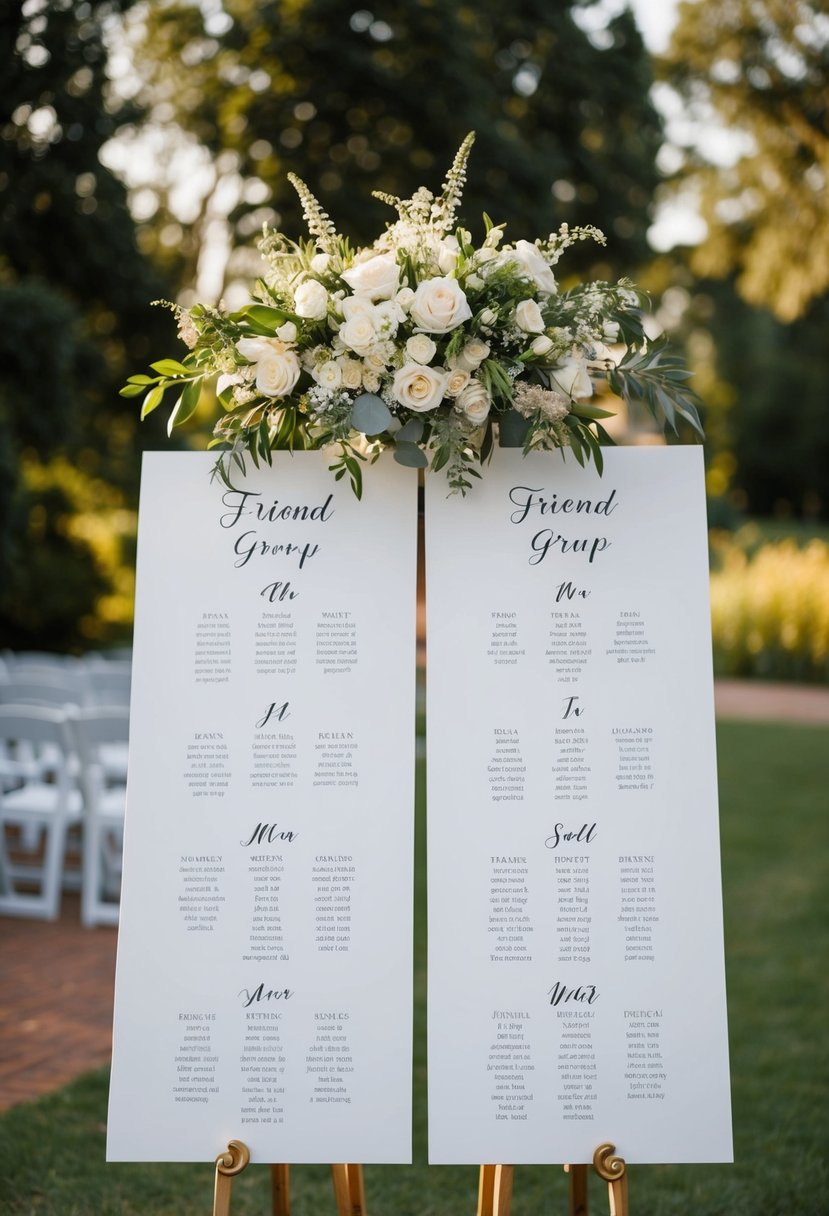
<point>576,980</point>
<point>263,987</point>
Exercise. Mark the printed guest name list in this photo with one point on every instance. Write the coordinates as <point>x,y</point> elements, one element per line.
<point>576,983</point>
<point>263,987</point>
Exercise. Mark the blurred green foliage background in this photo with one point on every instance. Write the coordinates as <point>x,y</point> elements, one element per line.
<point>143,145</point>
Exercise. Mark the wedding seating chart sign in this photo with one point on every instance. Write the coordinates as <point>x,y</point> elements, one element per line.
<point>576,982</point>
<point>263,986</point>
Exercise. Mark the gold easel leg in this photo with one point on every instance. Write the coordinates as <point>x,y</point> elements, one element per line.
<point>342,1194</point>
<point>502,1198</point>
<point>228,1165</point>
<point>613,1170</point>
<point>578,1189</point>
<point>280,1190</point>
<point>486,1190</point>
<point>356,1189</point>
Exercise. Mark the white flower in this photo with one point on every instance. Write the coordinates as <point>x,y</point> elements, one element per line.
<point>421,348</point>
<point>610,331</point>
<point>404,297</point>
<point>488,316</point>
<point>356,306</point>
<point>378,277</point>
<point>532,263</point>
<point>419,388</point>
<point>572,378</point>
<point>311,300</point>
<point>352,372</point>
<point>528,317</point>
<point>277,373</point>
<point>485,254</point>
<point>474,281</point>
<point>474,402</point>
<point>319,262</point>
<point>448,254</point>
<point>542,345</point>
<point>254,348</point>
<point>287,332</point>
<point>371,381</point>
<point>457,382</point>
<point>472,355</point>
<point>225,381</point>
<point>439,305</point>
<point>358,333</point>
<point>329,374</point>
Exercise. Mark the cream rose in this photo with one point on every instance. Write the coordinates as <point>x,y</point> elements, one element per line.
<point>421,348</point>
<point>474,402</point>
<point>472,355</point>
<point>457,382</point>
<point>311,300</point>
<point>329,374</point>
<point>254,349</point>
<point>528,317</point>
<point>371,381</point>
<point>419,388</point>
<point>277,373</point>
<point>532,263</point>
<point>377,277</point>
<point>352,372</point>
<point>439,305</point>
<point>358,333</point>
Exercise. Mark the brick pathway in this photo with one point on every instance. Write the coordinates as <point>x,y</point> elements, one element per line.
<point>57,979</point>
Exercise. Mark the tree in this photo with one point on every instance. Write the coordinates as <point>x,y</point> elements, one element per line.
<point>358,100</point>
<point>75,292</point>
<point>759,68</point>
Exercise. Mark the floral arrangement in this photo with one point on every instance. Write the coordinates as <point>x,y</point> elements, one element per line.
<point>421,343</point>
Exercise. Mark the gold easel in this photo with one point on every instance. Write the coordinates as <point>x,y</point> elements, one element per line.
<point>349,1190</point>
<point>495,1185</point>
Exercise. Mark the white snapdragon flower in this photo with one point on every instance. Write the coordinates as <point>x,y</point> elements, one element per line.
<point>311,300</point>
<point>528,317</point>
<point>377,277</point>
<point>439,305</point>
<point>474,402</point>
<point>448,254</point>
<point>421,348</point>
<point>419,388</point>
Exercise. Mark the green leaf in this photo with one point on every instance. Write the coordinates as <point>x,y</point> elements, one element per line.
<point>410,455</point>
<point>261,315</point>
<point>583,410</point>
<point>412,432</point>
<point>152,401</point>
<point>186,405</point>
<point>142,379</point>
<point>370,415</point>
<point>131,390</point>
<point>169,367</point>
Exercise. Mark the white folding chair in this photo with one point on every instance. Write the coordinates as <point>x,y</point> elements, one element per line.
<point>109,684</point>
<point>101,737</point>
<point>36,810</point>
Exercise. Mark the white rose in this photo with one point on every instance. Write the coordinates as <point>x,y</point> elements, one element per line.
<point>378,277</point>
<point>352,372</point>
<point>530,260</point>
<point>419,388</point>
<point>541,345</point>
<point>404,297</point>
<point>572,379</point>
<point>329,374</point>
<point>439,305</point>
<point>457,382</point>
<point>276,374</point>
<point>472,355</point>
<point>474,402</point>
<point>319,262</point>
<point>311,300</point>
<point>358,333</point>
<point>528,317</point>
<point>356,306</point>
<point>421,348</point>
<point>287,332</point>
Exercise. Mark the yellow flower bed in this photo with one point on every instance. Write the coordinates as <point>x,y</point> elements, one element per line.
<point>770,610</point>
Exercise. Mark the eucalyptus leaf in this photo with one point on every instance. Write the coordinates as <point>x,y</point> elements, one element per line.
<point>412,432</point>
<point>410,455</point>
<point>370,415</point>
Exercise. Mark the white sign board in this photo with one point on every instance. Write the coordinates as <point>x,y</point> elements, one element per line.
<point>576,982</point>
<point>263,987</point>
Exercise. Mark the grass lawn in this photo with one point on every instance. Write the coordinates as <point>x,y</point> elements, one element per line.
<point>773,793</point>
